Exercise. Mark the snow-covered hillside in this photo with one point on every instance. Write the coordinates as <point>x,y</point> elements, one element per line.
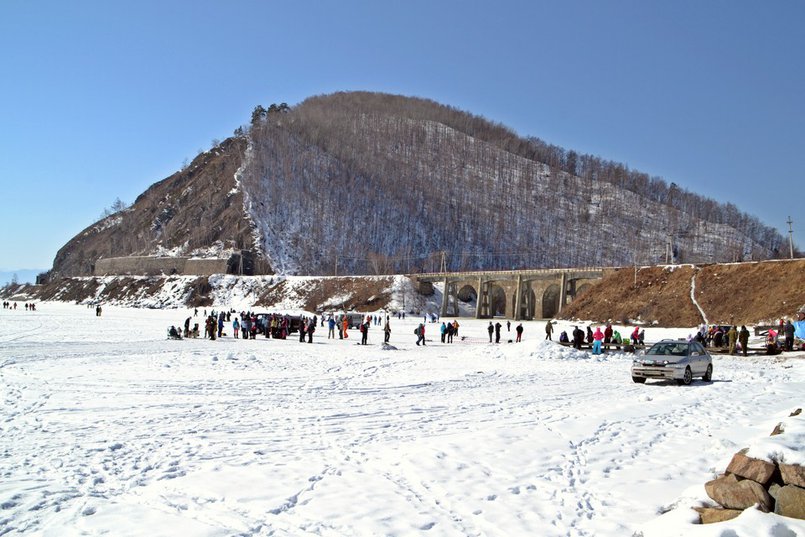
<point>376,183</point>
<point>109,428</point>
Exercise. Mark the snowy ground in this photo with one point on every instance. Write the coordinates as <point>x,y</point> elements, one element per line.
<point>107,427</point>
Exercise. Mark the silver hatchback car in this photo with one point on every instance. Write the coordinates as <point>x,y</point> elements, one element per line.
<point>672,359</point>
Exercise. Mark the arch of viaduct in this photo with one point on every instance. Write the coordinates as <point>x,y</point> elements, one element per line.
<point>517,294</point>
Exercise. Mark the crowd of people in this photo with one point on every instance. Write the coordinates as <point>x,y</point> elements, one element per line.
<point>600,340</point>
<point>13,306</point>
<point>249,325</point>
<point>735,340</point>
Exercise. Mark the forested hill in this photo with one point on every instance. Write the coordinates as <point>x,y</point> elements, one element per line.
<point>373,183</point>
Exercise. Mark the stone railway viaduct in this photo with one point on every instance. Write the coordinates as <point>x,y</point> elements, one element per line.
<point>515,294</point>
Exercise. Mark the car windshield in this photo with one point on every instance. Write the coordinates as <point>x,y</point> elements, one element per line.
<point>668,348</point>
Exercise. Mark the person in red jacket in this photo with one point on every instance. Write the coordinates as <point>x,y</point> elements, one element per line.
<point>608,334</point>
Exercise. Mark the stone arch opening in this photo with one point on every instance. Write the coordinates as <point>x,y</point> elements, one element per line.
<point>550,301</point>
<point>497,301</point>
<point>582,288</point>
<point>468,294</point>
<point>527,305</point>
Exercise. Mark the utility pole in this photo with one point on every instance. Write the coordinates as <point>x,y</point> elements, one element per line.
<point>790,237</point>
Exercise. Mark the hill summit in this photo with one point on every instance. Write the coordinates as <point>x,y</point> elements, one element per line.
<point>370,183</point>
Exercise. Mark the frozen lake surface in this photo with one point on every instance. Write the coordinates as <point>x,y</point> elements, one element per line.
<point>109,428</point>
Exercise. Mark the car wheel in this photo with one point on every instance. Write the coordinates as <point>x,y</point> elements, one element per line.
<point>639,380</point>
<point>686,380</point>
<point>708,376</point>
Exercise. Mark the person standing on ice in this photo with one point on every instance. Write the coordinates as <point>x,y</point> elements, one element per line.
<point>420,332</point>
<point>345,325</point>
<point>443,331</point>
<point>387,331</point>
<point>608,334</point>
<point>490,329</point>
<point>743,339</point>
<point>548,331</point>
<point>519,331</point>
<point>788,330</point>
<point>636,335</point>
<point>236,327</point>
<point>211,327</point>
<point>498,326</point>
<point>732,335</point>
<point>245,327</point>
<point>310,329</point>
<point>365,331</point>
<point>578,337</point>
<point>302,325</point>
<point>331,328</point>
<point>598,338</point>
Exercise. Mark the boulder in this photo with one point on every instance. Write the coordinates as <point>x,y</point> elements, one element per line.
<point>731,493</point>
<point>778,429</point>
<point>793,474</point>
<point>757,470</point>
<point>711,515</point>
<point>774,489</point>
<point>791,502</point>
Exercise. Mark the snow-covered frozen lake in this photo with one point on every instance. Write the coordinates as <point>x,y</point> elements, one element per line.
<point>109,428</point>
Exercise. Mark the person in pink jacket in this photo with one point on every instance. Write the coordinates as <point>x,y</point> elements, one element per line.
<point>598,338</point>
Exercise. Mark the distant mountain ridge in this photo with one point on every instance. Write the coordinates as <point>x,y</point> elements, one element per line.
<point>22,275</point>
<point>364,182</point>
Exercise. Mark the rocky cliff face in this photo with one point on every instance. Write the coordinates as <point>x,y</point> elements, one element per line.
<point>195,212</point>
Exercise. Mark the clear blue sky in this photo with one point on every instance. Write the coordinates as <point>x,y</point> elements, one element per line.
<point>101,99</point>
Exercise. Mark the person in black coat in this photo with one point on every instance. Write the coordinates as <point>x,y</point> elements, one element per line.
<point>364,332</point>
<point>578,337</point>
